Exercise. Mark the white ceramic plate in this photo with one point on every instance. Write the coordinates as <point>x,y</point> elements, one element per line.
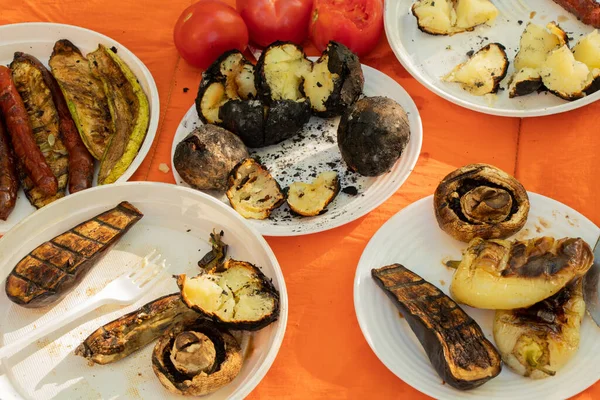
<point>412,238</point>
<point>177,222</point>
<point>38,39</point>
<point>315,150</point>
<point>427,58</point>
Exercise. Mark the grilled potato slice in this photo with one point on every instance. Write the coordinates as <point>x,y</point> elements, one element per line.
<point>252,191</point>
<point>536,43</point>
<point>472,13</point>
<point>587,50</point>
<point>482,72</point>
<point>448,17</point>
<point>310,199</point>
<point>237,296</point>
<point>566,77</point>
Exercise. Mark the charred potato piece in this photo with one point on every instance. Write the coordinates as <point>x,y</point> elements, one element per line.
<point>252,191</point>
<point>285,119</point>
<point>448,17</point>
<point>206,156</point>
<point>535,44</point>
<point>524,82</point>
<point>372,135</point>
<point>196,358</point>
<point>566,77</point>
<point>334,82</point>
<point>504,275</point>
<point>587,50</point>
<point>246,119</point>
<point>238,296</point>
<point>482,73</point>
<point>310,199</point>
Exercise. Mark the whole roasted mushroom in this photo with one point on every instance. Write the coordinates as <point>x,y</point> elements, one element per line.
<point>194,359</point>
<point>480,200</point>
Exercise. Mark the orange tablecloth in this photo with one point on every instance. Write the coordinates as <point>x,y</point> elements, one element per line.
<point>324,354</point>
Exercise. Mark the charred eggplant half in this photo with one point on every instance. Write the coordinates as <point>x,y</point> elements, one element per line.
<point>310,199</point>
<point>448,17</point>
<point>252,191</point>
<point>334,82</point>
<point>538,341</point>
<point>454,343</point>
<point>237,296</point>
<point>482,73</point>
<point>196,358</point>
<point>504,275</point>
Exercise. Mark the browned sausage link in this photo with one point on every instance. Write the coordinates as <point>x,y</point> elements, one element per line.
<point>81,162</point>
<point>587,11</point>
<point>21,135</point>
<point>8,178</point>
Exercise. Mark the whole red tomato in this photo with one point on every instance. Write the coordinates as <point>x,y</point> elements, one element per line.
<point>271,20</point>
<point>206,29</point>
<point>358,24</point>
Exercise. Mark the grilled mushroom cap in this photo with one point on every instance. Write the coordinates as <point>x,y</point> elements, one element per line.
<point>480,200</point>
<point>194,359</point>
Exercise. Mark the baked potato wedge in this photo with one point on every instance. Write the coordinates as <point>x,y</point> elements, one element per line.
<point>524,82</point>
<point>566,77</point>
<point>310,199</point>
<point>587,50</point>
<point>536,43</point>
<point>448,17</point>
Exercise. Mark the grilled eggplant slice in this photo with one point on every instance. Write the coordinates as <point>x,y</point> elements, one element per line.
<point>566,77</point>
<point>206,156</point>
<point>454,343</point>
<point>334,82</point>
<point>524,82</point>
<point>129,109</point>
<point>239,297</point>
<point>85,96</point>
<point>131,332</point>
<point>310,199</point>
<point>448,17</point>
<point>196,358</point>
<point>252,191</point>
<point>482,73</point>
<point>53,268</point>
<point>538,341</point>
<point>504,275</point>
<point>43,116</point>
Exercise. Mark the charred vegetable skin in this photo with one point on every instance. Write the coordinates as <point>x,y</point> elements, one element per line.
<point>53,268</point>
<point>480,200</point>
<point>9,185</point>
<point>454,343</point>
<point>196,358</point>
<point>131,332</point>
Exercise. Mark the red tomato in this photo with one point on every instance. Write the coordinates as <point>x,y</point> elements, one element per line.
<point>271,20</point>
<point>207,29</point>
<point>358,24</point>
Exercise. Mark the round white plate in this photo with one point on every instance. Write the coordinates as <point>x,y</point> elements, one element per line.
<point>37,39</point>
<point>315,150</point>
<point>427,57</point>
<point>177,222</point>
<point>412,238</point>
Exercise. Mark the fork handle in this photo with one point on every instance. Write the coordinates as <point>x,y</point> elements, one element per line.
<point>56,323</point>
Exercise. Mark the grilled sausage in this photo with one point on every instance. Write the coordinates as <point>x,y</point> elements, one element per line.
<point>588,11</point>
<point>8,179</point>
<point>21,134</point>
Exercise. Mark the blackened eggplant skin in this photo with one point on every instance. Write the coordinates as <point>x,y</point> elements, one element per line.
<point>53,268</point>
<point>245,118</point>
<point>454,343</point>
<point>285,119</point>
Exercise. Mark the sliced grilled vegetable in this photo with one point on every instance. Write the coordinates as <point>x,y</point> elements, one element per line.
<point>53,268</point>
<point>480,200</point>
<point>566,77</point>
<point>131,332</point>
<point>9,185</point>
<point>372,135</point>
<point>43,117</point>
<point>129,110</point>
<point>482,72</point>
<point>524,82</point>
<point>239,297</point>
<point>85,96</point>
<point>587,50</point>
<point>448,17</point>
<point>196,358</point>
<point>504,275</point>
<point>216,256</point>
<point>206,156</point>
<point>454,343</point>
<point>252,191</point>
<point>310,199</point>
<point>538,341</point>
<point>334,82</point>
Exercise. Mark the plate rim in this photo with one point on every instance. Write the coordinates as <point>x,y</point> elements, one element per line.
<point>402,56</point>
<point>363,325</point>
<point>272,352</point>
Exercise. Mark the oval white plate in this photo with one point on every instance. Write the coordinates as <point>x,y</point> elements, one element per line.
<point>427,57</point>
<point>412,238</point>
<point>37,39</point>
<point>315,150</point>
<point>177,222</point>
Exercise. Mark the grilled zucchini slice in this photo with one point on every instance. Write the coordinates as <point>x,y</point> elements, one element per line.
<point>310,199</point>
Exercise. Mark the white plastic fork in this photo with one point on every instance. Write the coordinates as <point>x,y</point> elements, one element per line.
<point>125,289</point>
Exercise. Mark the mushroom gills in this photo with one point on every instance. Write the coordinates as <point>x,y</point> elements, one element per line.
<point>481,74</point>
<point>448,17</point>
<point>310,199</point>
